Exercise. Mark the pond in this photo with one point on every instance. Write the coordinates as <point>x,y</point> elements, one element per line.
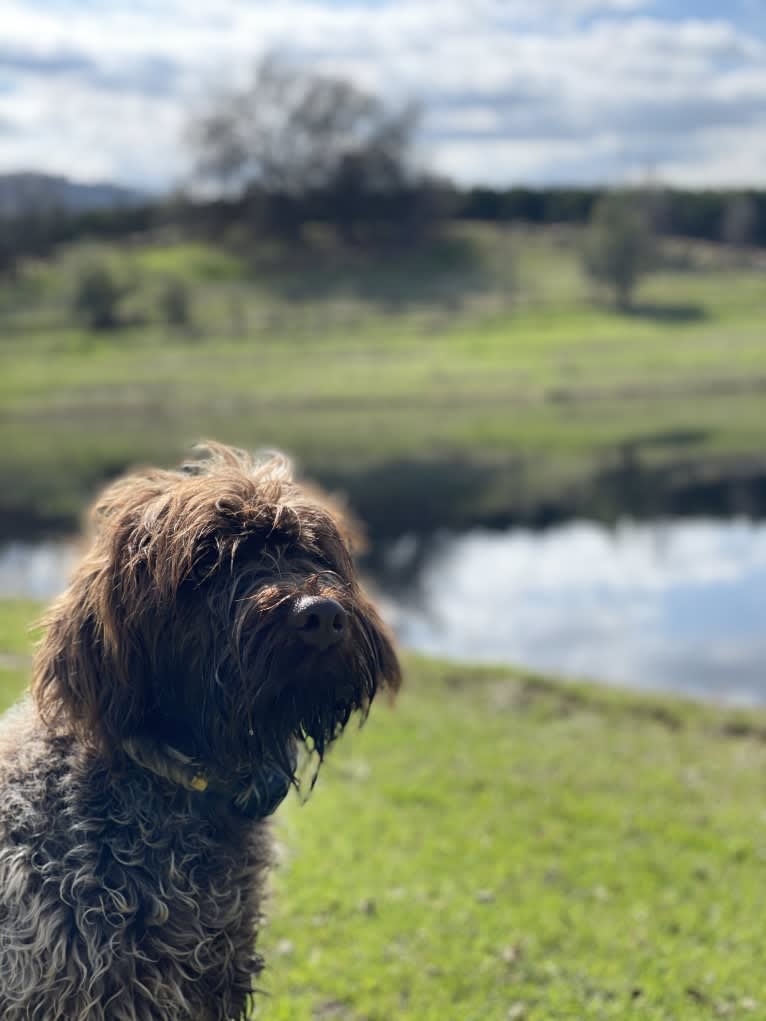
<point>674,605</point>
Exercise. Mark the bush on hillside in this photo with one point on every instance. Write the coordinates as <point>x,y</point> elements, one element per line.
<point>618,248</point>
<point>97,297</point>
<point>175,304</point>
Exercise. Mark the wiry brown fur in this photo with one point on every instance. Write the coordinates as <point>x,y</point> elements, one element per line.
<point>125,895</point>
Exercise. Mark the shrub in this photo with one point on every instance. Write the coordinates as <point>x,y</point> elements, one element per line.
<point>619,244</point>
<point>97,298</point>
<point>175,305</point>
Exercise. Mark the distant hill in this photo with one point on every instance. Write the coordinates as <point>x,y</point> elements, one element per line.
<point>26,191</point>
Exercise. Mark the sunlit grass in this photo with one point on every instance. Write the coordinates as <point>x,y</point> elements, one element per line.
<point>504,846</point>
<point>490,347</point>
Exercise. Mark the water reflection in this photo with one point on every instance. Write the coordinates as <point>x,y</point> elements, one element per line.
<point>676,605</point>
<point>35,570</point>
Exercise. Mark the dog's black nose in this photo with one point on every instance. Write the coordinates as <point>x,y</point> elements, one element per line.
<point>321,622</point>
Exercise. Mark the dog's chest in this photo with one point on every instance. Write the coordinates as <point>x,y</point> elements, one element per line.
<point>112,892</point>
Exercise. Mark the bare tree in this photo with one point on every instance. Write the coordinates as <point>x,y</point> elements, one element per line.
<point>293,131</point>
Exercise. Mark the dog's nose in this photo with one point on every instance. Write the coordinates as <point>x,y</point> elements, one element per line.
<point>321,622</point>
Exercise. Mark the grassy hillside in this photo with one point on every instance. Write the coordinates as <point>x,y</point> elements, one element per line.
<point>485,351</point>
<point>500,846</point>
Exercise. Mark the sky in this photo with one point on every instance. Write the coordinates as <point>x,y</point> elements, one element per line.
<point>536,92</point>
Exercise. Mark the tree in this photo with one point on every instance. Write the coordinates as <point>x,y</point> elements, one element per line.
<point>290,130</point>
<point>740,220</point>
<point>295,139</point>
<point>619,244</point>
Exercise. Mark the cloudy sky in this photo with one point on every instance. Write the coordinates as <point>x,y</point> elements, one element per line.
<point>513,91</point>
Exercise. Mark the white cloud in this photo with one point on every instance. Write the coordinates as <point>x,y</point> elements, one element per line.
<point>92,135</point>
<point>511,91</point>
<point>734,157</point>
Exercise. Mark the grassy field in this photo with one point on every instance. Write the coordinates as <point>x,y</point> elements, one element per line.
<point>500,846</point>
<point>486,350</point>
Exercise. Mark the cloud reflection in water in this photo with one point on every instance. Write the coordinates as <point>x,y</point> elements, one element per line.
<point>677,605</point>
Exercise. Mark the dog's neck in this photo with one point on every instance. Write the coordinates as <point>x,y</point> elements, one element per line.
<point>259,796</point>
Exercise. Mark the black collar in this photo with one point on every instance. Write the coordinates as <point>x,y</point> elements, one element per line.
<point>259,796</point>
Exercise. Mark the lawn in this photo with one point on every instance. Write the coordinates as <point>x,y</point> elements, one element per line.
<point>501,846</point>
<point>488,350</point>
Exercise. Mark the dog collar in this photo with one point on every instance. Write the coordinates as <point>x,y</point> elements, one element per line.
<point>259,797</point>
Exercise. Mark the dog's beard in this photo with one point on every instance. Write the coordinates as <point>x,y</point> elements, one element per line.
<point>274,704</point>
<point>304,701</point>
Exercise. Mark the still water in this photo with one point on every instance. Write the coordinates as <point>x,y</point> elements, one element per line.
<point>677,605</point>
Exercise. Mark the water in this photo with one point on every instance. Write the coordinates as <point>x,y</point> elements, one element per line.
<point>675,605</point>
<point>35,570</point>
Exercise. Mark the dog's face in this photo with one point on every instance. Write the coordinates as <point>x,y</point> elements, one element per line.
<point>217,610</point>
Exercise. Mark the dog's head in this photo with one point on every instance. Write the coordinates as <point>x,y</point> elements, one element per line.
<point>218,610</point>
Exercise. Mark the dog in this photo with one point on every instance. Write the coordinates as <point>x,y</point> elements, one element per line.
<point>214,637</point>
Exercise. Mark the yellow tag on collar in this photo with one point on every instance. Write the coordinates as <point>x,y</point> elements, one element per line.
<point>199,782</point>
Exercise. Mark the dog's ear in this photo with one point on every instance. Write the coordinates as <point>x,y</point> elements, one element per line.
<point>90,668</point>
<point>86,679</point>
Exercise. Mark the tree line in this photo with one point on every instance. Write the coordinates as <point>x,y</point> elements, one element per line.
<point>727,215</point>
<point>361,216</point>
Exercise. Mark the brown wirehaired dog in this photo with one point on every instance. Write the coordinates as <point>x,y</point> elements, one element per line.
<point>215,627</point>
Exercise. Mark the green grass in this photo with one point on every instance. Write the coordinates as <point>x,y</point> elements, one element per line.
<point>488,348</point>
<point>503,846</point>
<point>17,619</point>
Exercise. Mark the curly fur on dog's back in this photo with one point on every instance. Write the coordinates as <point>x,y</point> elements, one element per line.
<point>178,676</point>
